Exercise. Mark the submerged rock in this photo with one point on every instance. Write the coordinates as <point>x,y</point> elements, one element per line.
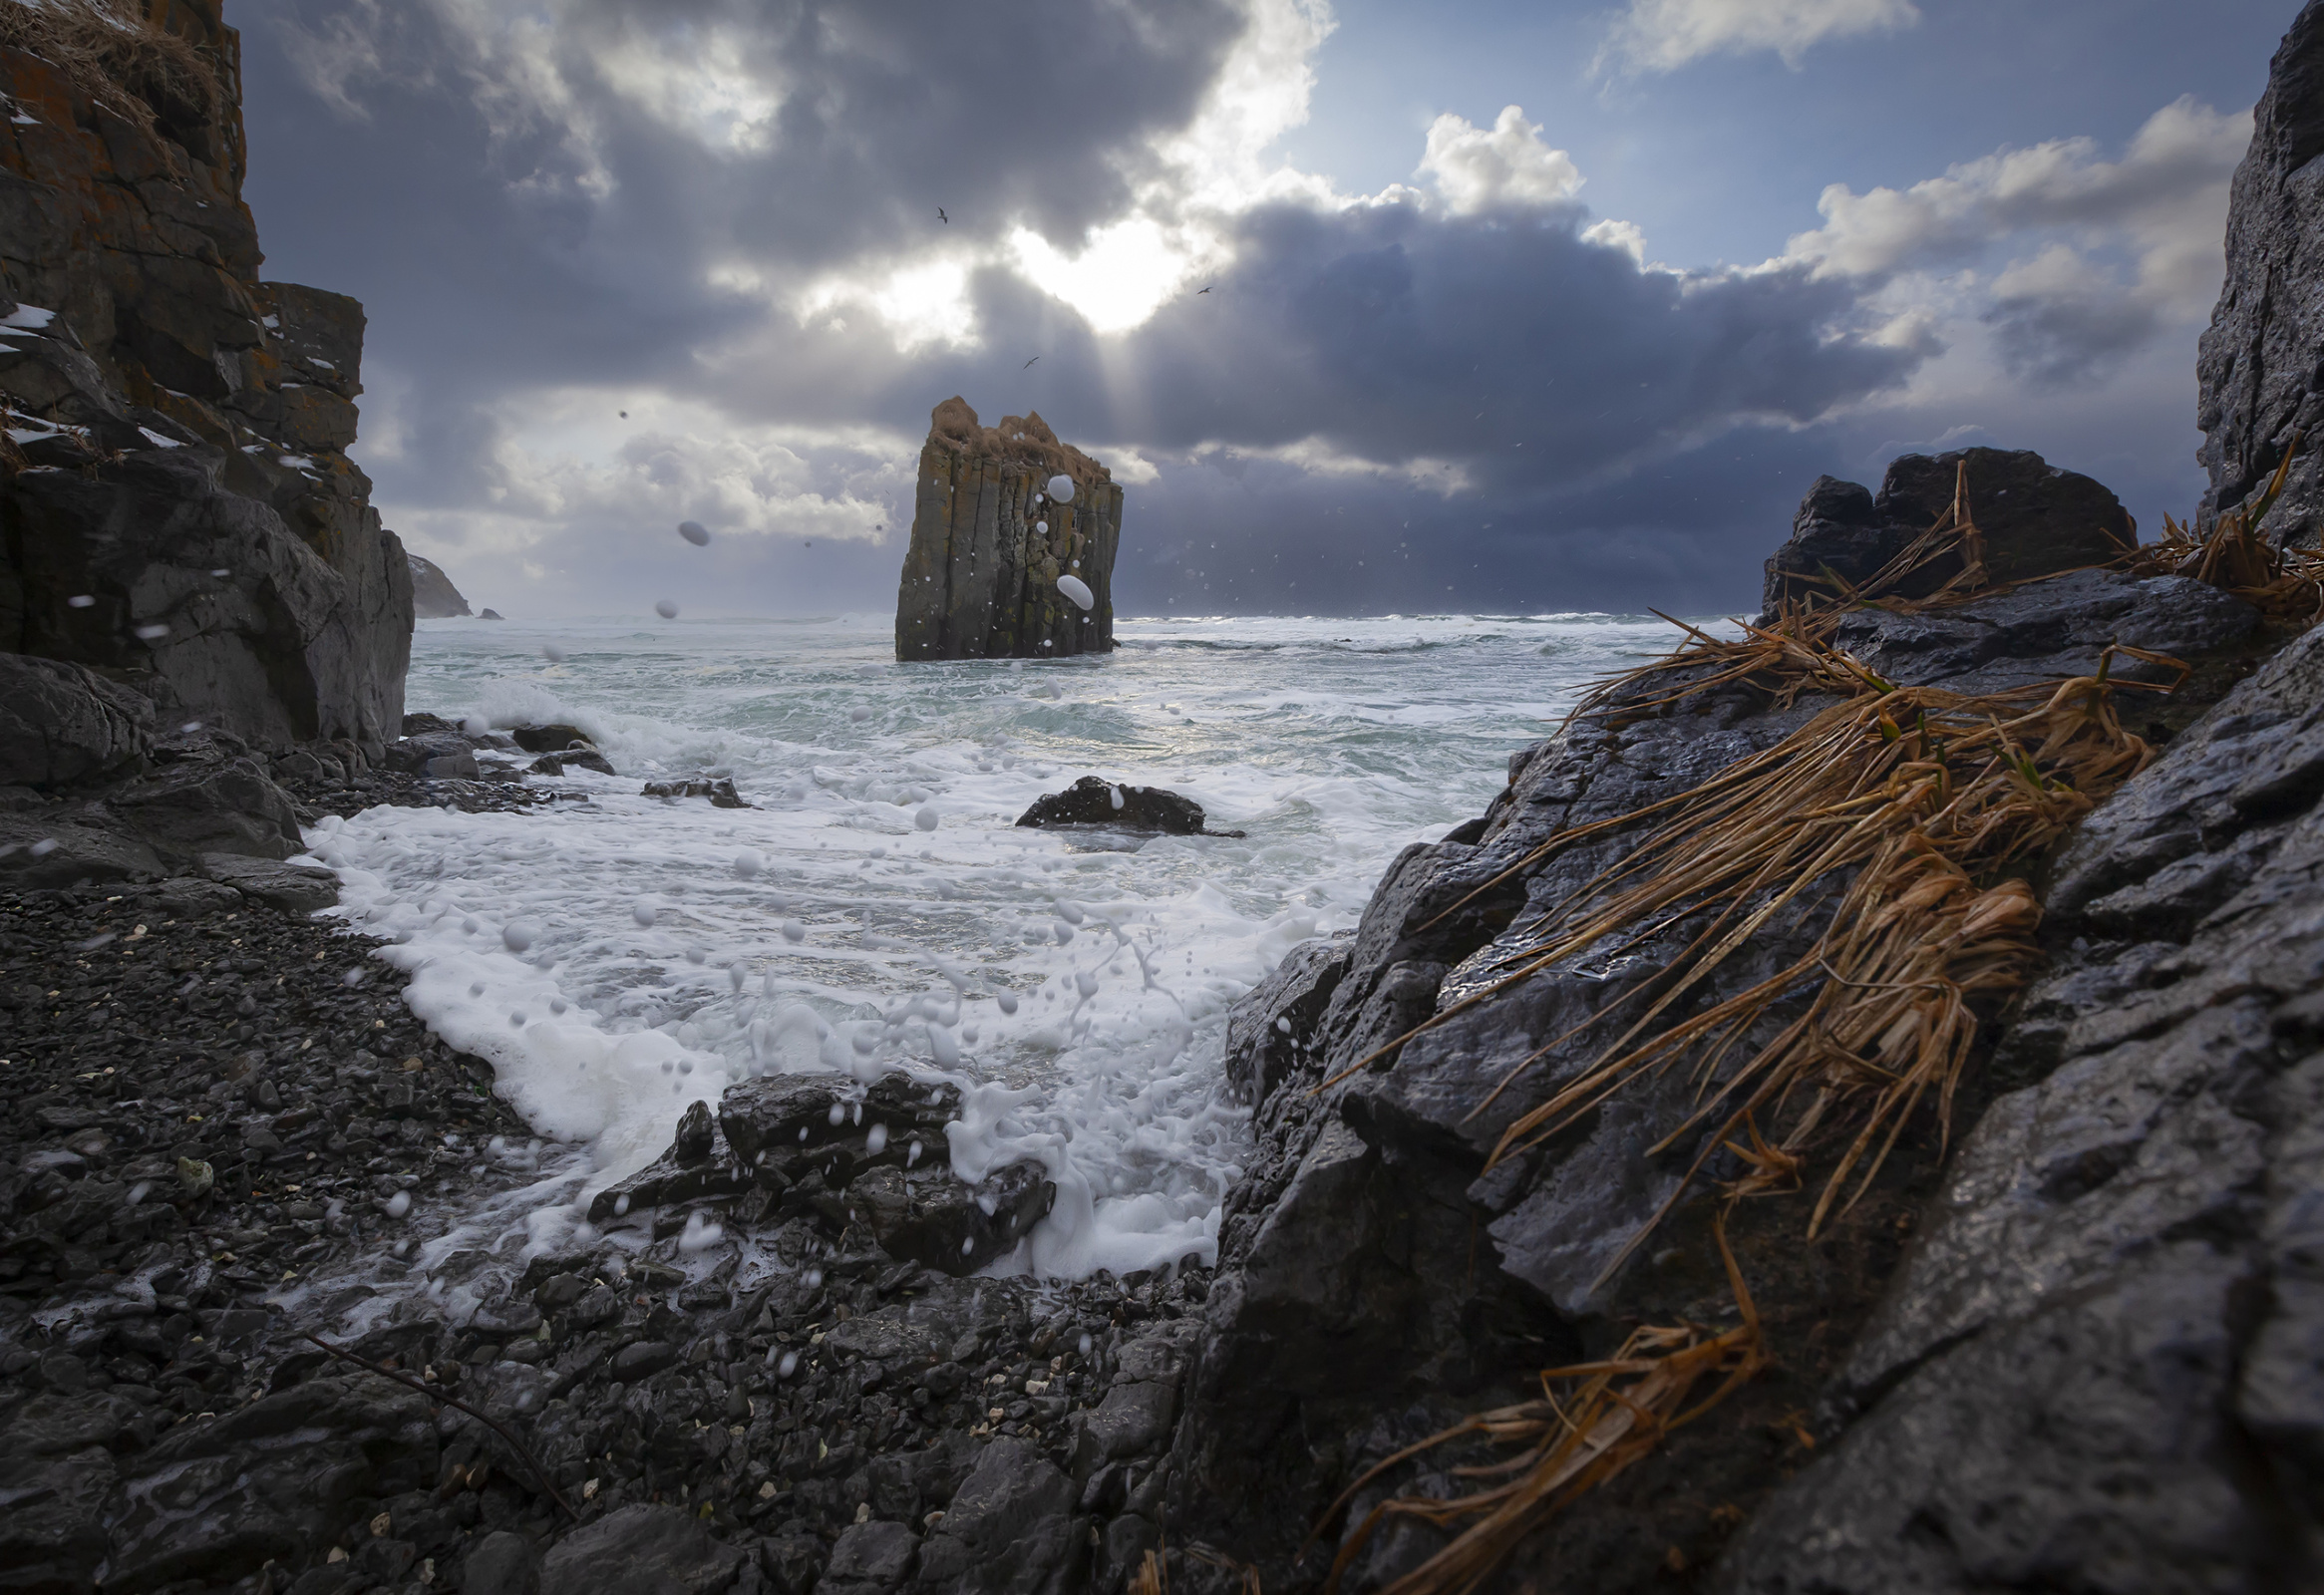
<point>720,790</point>
<point>1095,801</point>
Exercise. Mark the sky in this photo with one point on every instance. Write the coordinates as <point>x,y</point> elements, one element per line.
<point>1515,306</point>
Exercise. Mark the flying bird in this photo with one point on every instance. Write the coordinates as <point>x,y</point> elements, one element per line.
<point>1200,291</point>
<point>940,216</point>
<point>1028,365</point>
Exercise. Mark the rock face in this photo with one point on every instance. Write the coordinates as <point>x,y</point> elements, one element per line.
<point>434,597</point>
<point>1842,531</point>
<point>2099,1367</point>
<point>2258,364</point>
<point>1375,1285</point>
<point>180,512</point>
<point>989,547</point>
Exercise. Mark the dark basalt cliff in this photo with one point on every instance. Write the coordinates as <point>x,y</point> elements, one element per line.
<point>990,544</point>
<point>2262,381</point>
<point>177,508</point>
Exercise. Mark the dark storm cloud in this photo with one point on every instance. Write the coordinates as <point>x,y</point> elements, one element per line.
<point>1506,342</point>
<point>1506,345</point>
<point>800,132</point>
<point>2063,338</point>
<point>1378,403</point>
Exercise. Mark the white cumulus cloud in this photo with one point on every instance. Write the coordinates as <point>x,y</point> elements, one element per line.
<point>1496,167</point>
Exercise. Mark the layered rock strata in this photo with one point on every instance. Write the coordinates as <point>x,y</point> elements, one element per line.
<point>178,510</point>
<point>990,544</point>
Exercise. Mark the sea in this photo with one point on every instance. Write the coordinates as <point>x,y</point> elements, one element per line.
<point>616,957</point>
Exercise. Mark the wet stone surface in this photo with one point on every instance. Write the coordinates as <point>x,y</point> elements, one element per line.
<point>221,1142</point>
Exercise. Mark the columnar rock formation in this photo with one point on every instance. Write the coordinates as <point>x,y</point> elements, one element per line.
<point>990,545</point>
<point>180,512</point>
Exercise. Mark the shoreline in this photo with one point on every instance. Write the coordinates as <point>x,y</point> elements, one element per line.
<point>154,1320</point>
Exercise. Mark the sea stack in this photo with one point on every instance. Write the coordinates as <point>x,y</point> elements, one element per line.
<point>1000,544</point>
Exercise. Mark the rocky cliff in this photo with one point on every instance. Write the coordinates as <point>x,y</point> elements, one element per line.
<point>2262,384</point>
<point>434,597</point>
<point>180,512</point>
<point>992,544</point>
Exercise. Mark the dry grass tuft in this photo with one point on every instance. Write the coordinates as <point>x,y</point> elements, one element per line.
<point>1617,1413</point>
<point>2285,584</point>
<point>1900,817</point>
<point>110,52</point>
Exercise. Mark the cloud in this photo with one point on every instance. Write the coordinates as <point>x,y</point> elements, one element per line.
<point>1664,35</point>
<point>719,216</point>
<point>2077,259</point>
<point>1506,166</point>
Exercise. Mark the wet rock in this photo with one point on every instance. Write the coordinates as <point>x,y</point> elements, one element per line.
<point>501,1563</point>
<point>188,809</point>
<point>2051,630</point>
<point>294,888</point>
<point>1094,801</point>
<point>721,791</point>
<point>37,852</point>
<point>53,1535</point>
<point>2068,1334</point>
<point>550,739</point>
<point>871,1558</point>
<point>62,724</point>
<point>637,1362</point>
<point>414,754</point>
<point>697,1132</point>
<point>2036,519</point>
<point>1011,1530</point>
<point>640,1547</point>
<point>558,764</point>
<point>272,1482</point>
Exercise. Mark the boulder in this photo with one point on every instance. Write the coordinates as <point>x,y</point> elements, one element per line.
<point>2036,521</point>
<point>294,888</point>
<point>549,739</point>
<point>640,1547</point>
<point>187,810</point>
<point>870,1559</point>
<point>1094,801</point>
<point>719,790</point>
<point>62,724</point>
<point>502,1564</point>
<point>274,1481</point>
<point>36,852</point>
<point>572,758</point>
<point>412,754</point>
<point>1011,1530</point>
